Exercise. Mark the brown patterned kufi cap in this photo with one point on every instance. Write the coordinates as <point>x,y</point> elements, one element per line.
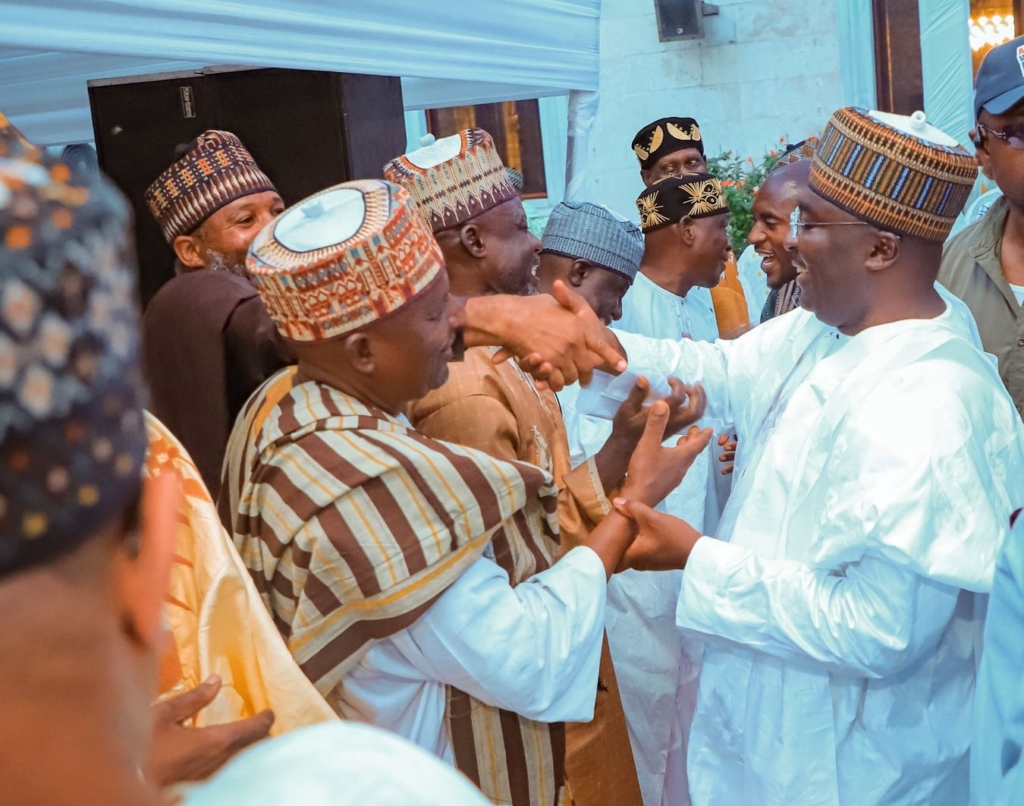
<point>666,136</point>
<point>216,170</point>
<point>896,172</point>
<point>343,258</point>
<point>72,440</point>
<point>453,179</point>
<point>673,199</point>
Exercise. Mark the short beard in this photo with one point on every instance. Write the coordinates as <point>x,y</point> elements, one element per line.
<point>218,261</point>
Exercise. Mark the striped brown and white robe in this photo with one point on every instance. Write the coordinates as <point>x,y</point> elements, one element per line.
<point>353,525</point>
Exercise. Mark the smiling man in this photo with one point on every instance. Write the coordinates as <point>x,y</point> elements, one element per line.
<point>774,203</point>
<point>880,458</point>
<point>415,580</point>
<point>207,340</point>
<point>984,264</point>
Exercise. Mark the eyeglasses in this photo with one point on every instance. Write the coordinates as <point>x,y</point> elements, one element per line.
<point>1012,135</point>
<point>795,224</point>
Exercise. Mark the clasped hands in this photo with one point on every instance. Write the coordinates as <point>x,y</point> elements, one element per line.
<point>556,338</point>
<point>663,542</point>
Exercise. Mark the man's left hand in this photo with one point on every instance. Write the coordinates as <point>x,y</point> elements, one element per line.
<point>728,457</point>
<point>179,754</point>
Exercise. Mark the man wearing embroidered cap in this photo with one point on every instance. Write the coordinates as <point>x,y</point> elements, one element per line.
<point>387,557</point>
<point>594,252</point>
<point>984,264</point>
<point>498,409</point>
<point>83,587</point>
<point>879,459</point>
<point>675,147</point>
<point>684,230</point>
<point>669,147</point>
<point>207,340</point>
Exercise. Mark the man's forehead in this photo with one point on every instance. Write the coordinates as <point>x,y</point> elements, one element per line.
<point>778,189</point>
<point>822,209</point>
<point>681,154</point>
<point>1014,115</point>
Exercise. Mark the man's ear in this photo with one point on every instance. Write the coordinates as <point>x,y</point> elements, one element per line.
<point>189,250</point>
<point>469,237</point>
<point>578,273</point>
<point>687,230</point>
<point>143,576</point>
<point>359,351</point>
<point>884,253</point>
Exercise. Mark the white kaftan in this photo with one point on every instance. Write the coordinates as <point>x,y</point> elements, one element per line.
<point>657,676</point>
<point>335,764</point>
<point>533,649</point>
<point>874,480</point>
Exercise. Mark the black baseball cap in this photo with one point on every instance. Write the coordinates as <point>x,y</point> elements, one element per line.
<point>1000,82</point>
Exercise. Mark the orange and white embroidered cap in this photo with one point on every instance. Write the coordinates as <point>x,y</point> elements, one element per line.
<point>342,258</point>
<point>454,179</point>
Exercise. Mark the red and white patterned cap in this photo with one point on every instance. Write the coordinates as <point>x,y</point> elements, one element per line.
<point>454,179</point>
<point>341,259</point>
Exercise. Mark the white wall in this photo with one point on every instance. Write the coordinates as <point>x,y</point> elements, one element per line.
<point>766,69</point>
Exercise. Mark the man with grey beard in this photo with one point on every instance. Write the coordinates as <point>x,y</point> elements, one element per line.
<point>208,342</point>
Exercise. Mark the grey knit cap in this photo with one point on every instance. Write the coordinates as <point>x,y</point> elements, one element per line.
<point>592,232</point>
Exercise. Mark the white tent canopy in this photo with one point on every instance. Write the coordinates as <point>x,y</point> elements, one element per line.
<point>448,52</point>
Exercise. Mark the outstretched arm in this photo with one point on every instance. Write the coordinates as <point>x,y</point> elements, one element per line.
<point>559,339</point>
<point>872,620</point>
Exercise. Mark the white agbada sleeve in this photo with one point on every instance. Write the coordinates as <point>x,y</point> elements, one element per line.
<point>533,649</point>
<point>726,369</point>
<point>872,621</point>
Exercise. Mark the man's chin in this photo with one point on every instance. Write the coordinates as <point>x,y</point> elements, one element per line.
<point>778,280</point>
<point>440,379</point>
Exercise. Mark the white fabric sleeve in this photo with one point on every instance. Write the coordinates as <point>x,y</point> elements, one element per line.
<point>533,649</point>
<point>872,620</point>
<point>727,369</point>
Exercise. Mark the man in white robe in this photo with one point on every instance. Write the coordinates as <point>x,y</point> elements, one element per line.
<point>686,247</point>
<point>879,459</point>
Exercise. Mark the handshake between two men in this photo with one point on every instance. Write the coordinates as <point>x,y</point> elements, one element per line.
<point>559,340</point>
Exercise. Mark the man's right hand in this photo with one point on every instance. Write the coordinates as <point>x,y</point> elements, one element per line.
<point>558,339</point>
<point>179,754</point>
<point>654,471</point>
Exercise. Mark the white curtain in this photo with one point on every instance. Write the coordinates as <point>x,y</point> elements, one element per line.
<point>448,52</point>
<point>946,66</point>
<point>856,52</point>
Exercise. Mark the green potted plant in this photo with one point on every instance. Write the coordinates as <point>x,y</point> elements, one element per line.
<point>740,180</point>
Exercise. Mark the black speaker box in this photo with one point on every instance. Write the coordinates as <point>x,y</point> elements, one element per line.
<point>679,19</point>
<point>307,130</point>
